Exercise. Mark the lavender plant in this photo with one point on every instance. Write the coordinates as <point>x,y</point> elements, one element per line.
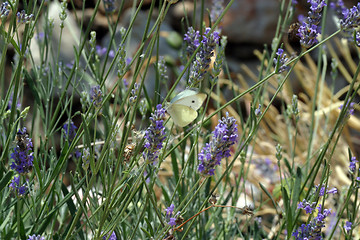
<point>258,165</point>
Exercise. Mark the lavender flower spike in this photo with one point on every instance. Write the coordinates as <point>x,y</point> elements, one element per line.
<point>23,159</point>
<point>224,136</point>
<point>351,17</point>
<point>280,61</point>
<point>203,57</point>
<point>309,29</point>
<point>16,186</point>
<point>96,96</point>
<point>154,135</point>
<point>36,237</point>
<point>112,236</point>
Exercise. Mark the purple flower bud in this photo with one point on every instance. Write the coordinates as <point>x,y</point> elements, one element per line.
<point>154,135</point>
<point>224,136</point>
<point>23,159</point>
<point>17,187</point>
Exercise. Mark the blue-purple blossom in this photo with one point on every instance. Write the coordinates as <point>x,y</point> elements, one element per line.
<point>23,159</point>
<point>109,5</point>
<point>350,108</point>
<point>203,58</point>
<point>161,66</point>
<point>96,96</point>
<point>22,17</point>
<point>352,166</point>
<point>36,237</point>
<point>112,237</point>
<point>17,187</point>
<point>309,29</point>
<point>351,17</point>
<point>308,207</point>
<point>154,135</point>
<point>216,9</point>
<point>192,38</point>
<point>4,9</point>
<point>101,51</point>
<point>280,61</point>
<point>169,215</point>
<point>347,226</point>
<point>322,190</point>
<point>224,136</point>
<point>134,93</point>
<point>70,131</point>
<point>312,230</point>
<point>18,104</point>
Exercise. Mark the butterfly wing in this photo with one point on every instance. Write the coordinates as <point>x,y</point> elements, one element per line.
<point>189,98</point>
<point>182,115</point>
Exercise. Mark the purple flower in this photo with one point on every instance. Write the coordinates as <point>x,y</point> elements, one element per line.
<point>352,166</point>
<point>112,236</point>
<point>280,61</point>
<point>216,10</point>
<point>70,131</point>
<point>224,136</point>
<point>309,29</point>
<point>96,96</point>
<point>18,104</point>
<point>154,135</point>
<point>4,9</point>
<point>347,226</point>
<point>203,57</point>
<point>133,93</point>
<point>313,229</point>
<point>169,215</point>
<point>22,17</point>
<point>350,108</point>
<point>36,237</point>
<point>17,187</point>
<point>258,111</point>
<point>322,190</point>
<point>192,38</point>
<point>162,69</point>
<point>101,51</point>
<point>308,207</point>
<point>23,159</point>
<point>351,17</point>
<point>109,6</point>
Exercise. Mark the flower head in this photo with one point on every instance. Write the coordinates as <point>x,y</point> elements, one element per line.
<point>36,237</point>
<point>17,187</point>
<point>351,17</point>
<point>216,10</point>
<point>96,96</point>
<point>224,136</point>
<point>23,159</point>
<point>22,17</point>
<point>169,215</point>
<point>350,108</point>
<point>352,166</point>
<point>70,131</point>
<point>347,226</point>
<point>112,236</point>
<point>192,38</point>
<point>280,61</point>
<point>4,9</point>
<point>309,29</point>
<point>312,230</point>
<point>154,135</point>
<point>203,57</point>
<point>109,5</point>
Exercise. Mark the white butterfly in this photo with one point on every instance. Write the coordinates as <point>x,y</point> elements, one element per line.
<point>183,108</point>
